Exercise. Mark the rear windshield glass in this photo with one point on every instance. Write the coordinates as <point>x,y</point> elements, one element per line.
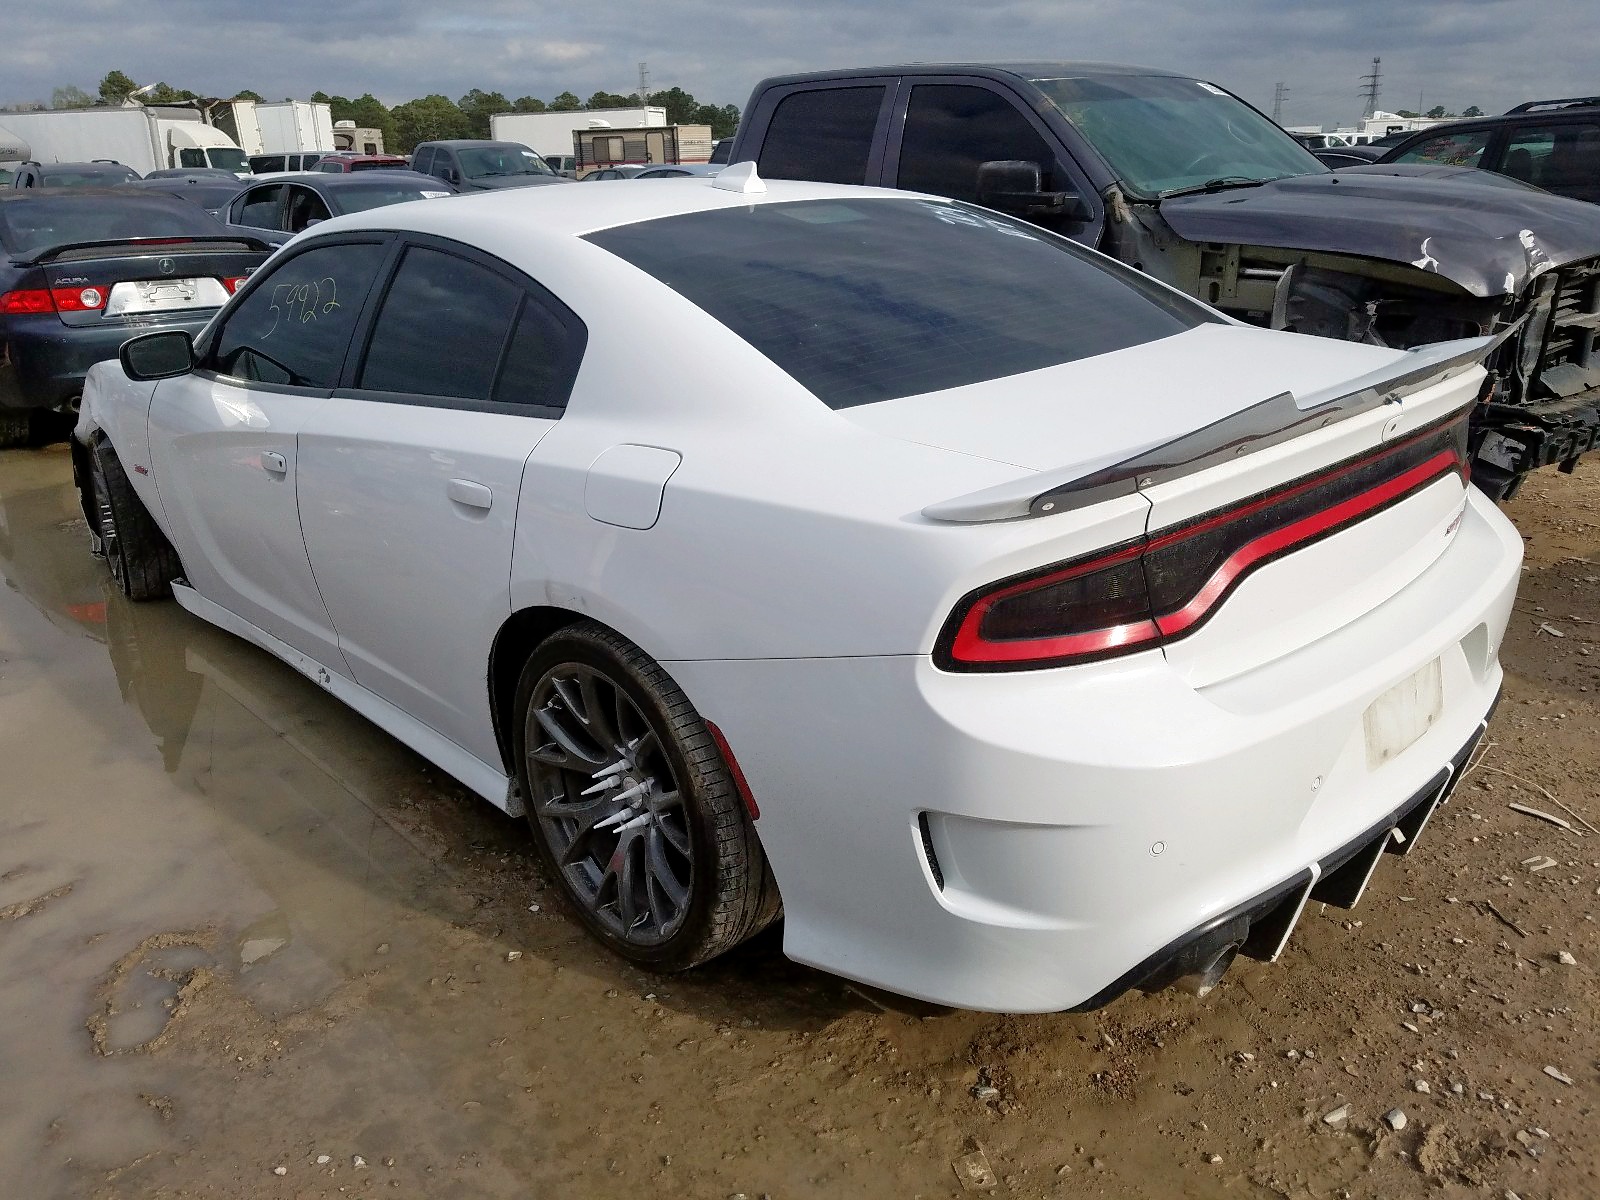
<point>862,301</point>
<point>39,222</point>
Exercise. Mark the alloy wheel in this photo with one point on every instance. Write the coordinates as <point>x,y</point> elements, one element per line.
<point>608,802</point>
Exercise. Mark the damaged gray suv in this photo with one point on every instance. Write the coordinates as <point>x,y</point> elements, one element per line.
<point>1185,181</point>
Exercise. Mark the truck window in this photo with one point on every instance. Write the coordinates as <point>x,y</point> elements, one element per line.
<point>951,129</point>
<point>258,208</point>
<point>823,135</point>
<point>423,161</point>
<point>1564,159</point>
<point>192,158</point>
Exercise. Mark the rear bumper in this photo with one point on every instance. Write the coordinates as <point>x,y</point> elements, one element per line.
<point>1042,841</point>
<point>43,362</point>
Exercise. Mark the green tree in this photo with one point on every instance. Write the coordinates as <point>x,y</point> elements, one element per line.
<point>723,118</point>
<point>682,108</point>
<point>527,104</point>
<point>114,88</point>
<point>165,93</point>
<point>566,102</point>
<point>70,96</point>
<point>429,119</point>
<point>1436,111</point>
<point>610,100</point>
<point>478,106</point>
<point>1472,110</point>
<point>368,112</point>
<point>247,94</point>
<point>1406,112</point>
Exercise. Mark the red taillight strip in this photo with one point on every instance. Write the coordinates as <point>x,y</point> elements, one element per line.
<point>1280,541</point>
<point>968,644</point>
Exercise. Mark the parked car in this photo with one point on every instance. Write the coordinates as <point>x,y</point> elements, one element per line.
<point>564,165</point>
<point>343,163</point>
<point>264,164</point>
<point>479,166</point>
<point>211,193</point>
<point>679,171</point>
<point>1018,698</point>
<point>83,269</point>
<point>602,174</point>
<point>72,174</point>
<point>280,206</point>
<point>1553,144</point>
<point>1182,179</point>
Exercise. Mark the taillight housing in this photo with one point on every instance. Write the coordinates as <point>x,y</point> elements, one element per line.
<point>48,300</point>
<point>234,282</point>
<point>1156,589</point>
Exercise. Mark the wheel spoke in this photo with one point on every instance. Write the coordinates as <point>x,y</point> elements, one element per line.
<point>626,867</point>
<point>551,725</point>
<point>677,835</point>
<point>662,876</point>
<point>564,689</point>
<point>597,716</point>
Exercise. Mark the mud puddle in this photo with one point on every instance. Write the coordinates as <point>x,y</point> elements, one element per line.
<point>243,931</point>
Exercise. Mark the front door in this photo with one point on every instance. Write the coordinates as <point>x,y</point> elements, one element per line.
<point>409,478</point>
<point>224,440</point>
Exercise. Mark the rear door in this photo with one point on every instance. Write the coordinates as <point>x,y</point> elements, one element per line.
<point>259,211</point>
<point>409,476</point>
<point>831,132</point>
<point>223,439</point>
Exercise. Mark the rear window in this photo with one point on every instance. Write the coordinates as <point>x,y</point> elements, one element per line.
<point>38,222</point>
<point>862,301</point>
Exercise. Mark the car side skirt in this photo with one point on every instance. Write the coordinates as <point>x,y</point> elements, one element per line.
<point>475,774</point>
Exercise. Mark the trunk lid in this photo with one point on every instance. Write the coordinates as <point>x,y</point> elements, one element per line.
<point>139,282</point>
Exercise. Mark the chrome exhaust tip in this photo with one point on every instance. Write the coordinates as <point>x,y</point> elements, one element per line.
<point>1199,983</point>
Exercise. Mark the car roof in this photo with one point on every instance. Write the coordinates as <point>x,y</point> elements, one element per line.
<point>1023,70</point>
<point>339,179</point>
<point>1545,116</point>
<point>454,142</point>
<point>86,194</point>
<point>505,217</point>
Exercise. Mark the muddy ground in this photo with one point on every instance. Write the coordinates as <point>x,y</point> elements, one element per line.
<point>252,947</point>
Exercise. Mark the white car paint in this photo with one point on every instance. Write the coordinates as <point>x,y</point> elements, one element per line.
<point>773,554</point>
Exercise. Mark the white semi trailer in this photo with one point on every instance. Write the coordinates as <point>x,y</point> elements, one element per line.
<point>278,127</point>
<point>146,139</point>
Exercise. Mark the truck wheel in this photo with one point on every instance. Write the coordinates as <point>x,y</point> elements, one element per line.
<point>142,561</point>
<point>633,810</point>
<point>16,427</point>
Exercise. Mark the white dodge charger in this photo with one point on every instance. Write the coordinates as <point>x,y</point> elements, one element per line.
<point>1019,629</point>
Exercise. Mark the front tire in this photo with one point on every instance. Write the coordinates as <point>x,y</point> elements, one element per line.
<point>633,810</point>
<point>16,428</point>
<point>142,561</point>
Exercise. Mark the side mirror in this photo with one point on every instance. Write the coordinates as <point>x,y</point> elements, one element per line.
<point>161,355</point>
<point>1014,186</point>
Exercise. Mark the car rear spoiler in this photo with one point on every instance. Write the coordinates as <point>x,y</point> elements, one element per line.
<point>1275,420</point>
<point>209,241</point>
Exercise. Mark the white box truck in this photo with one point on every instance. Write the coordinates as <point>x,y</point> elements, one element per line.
<point>146,139</point>
<point>550,134</point>
<point>279,127</point>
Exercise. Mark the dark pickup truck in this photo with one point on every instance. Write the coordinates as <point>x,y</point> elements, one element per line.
<point>1185,181</point>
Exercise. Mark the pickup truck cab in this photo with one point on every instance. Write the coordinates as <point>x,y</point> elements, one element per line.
<point>1181,179</point>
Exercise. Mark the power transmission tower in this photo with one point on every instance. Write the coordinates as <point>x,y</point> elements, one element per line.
<point>1370,88</point>
<point>644,83</point>
<point>1277,102</point>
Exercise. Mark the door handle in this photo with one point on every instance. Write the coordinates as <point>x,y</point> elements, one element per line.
<point>274,464</point>
<point>465,491</point>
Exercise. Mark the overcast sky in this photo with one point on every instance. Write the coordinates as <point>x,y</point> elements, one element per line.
<point>1492,53</point>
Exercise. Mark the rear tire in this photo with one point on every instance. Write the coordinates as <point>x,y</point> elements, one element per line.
<point>16,428</point>
<point>142,561</point>
<point>634,813</point>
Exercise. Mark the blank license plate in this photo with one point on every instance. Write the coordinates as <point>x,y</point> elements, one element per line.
<point>139,296</point>
<point>1396,719</point>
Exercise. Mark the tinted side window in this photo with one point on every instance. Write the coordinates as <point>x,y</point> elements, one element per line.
<point>1462,149</point>
<point>442,328</point>
<point>258,208</point>
<point>1559,158</point>
<point>423,161</point>
<point>295,325</point>
<point>542,356</point>
<point>192,158</point>
<point>950,129</point>
<point>825,135</point>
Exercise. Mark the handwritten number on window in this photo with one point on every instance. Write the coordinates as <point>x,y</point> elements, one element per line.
<point>303,302</point>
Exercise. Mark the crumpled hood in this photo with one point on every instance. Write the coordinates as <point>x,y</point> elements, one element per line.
<point>1488,238</point>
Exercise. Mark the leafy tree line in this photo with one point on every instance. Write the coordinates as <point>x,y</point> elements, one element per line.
<point>1437,112</point>
<point>428,118</point>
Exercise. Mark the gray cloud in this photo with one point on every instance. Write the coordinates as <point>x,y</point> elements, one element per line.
<point>1492,53</point>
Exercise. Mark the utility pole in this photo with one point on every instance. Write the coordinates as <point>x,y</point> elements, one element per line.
<point>1281,91</point>
<point>644,84</point>
<point>1370,89</point>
